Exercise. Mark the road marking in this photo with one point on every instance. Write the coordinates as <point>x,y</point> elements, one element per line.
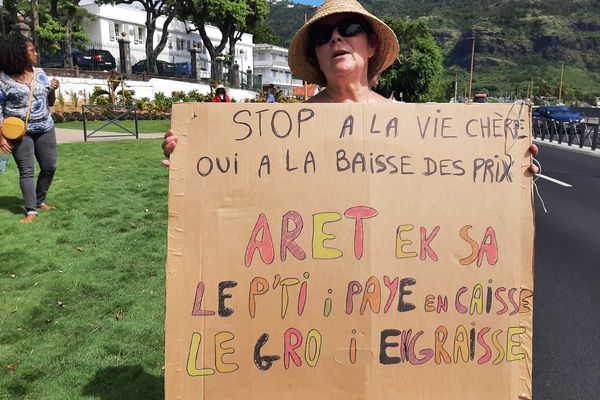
<point>561,183</point>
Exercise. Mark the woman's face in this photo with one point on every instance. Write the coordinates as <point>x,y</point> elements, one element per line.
<point>32,55</point>
<point>344,56</point>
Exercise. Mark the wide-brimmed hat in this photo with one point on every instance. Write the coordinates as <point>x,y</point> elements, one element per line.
<point>305,67</point>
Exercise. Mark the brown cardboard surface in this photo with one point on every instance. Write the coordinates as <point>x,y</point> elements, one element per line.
<point>357,305</point>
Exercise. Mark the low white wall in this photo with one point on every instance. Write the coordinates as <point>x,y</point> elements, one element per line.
<point>146,89</point>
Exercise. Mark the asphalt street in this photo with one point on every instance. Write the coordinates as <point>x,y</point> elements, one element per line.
<point>566,347</point>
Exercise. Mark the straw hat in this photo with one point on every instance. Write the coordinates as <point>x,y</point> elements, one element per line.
<point>307,69</point>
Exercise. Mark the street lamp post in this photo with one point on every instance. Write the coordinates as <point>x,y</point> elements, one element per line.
<point>242,61</point>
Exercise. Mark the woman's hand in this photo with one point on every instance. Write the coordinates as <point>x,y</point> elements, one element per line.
<point>168,146</point>
<point>5,145</point>
<point>54,84</point>
<point>534,151</point>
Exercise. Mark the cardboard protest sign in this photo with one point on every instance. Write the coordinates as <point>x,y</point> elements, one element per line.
<point>353,251</point>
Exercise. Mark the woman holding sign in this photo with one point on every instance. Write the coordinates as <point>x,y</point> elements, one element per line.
<point>26,127</point>
<point>344,48</point>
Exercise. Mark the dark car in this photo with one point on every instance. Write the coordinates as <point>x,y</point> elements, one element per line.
<point>558,113</point>
<point>163,68</point>
<point>52,60</point>
<point>96,59</point>
<point>183,69</point>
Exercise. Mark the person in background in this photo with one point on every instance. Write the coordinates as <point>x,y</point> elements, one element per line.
<point>344,48</point>
<point>221,95</point>
<point>18,75</point>
<point>271,94</point>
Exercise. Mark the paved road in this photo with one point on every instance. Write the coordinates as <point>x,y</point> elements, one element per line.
<point>566,361</point>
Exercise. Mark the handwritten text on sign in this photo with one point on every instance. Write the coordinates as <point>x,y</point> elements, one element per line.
<point>322,239</point>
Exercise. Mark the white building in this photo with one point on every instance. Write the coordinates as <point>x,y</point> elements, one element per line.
<point>272,62</point>
<point>111,21</point>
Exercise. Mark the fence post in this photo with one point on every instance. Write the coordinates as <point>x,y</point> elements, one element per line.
<point>234,75</point>
<point>595,137</point>
<point>194,51</point>
<point>561,131</point>
<point>22,27</point>
<point>552,130</point>
<point>571,132</point>
<point>249,83</point>
<point>258,82</point>
<point>217,68</point>
<point>125,53</point>
<point>544,128</point>
<point>581,130</point>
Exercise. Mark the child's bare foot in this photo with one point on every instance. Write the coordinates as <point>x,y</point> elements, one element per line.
<point>28,219</point>
<point>46,207</point>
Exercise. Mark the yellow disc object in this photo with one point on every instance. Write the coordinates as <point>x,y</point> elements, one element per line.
<point>13,128</point>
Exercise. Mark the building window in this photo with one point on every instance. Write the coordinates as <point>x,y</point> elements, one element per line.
<point>189,44</point>
<point>115,30</point>
<point>138,34</point>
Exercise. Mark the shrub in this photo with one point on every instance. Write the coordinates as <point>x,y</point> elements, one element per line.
<point>99,96</point>
<point>61,99</point>
<point>73,98</point>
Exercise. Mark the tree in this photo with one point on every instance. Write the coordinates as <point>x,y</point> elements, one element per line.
<point>154,9</point>
<point>418,72</point>
<point>199,12</point>
<point>35,22</point>
<point>53,23</point>
<point>264,34</point>
<point>252,16</point>
<point>71,8</point>
<point>231,17</point>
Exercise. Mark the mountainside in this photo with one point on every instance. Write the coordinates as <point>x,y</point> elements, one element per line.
<point>515,40</point>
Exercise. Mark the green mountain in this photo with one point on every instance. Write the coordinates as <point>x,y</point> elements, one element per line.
<point>516,41</point>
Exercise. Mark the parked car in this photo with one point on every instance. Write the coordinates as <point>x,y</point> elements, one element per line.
<point>95,59</point>
<point>52,60</point>
<point>480,98</point>
<point>183,69</point>
<point>163,67</point>
<point>558,113</point>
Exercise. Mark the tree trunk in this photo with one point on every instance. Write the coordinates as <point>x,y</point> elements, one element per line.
<point>213,51</point>
<point>54,8</point>
<point>152,52</point>
<point>150,29</point>
<point>35,23</point>
<point>68,53</point>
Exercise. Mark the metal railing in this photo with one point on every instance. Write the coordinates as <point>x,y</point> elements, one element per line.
<point>578,133</point>
<point>113,116</point>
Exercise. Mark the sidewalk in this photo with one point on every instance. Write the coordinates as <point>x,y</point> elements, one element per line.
<point>565,146</point>
<point>76,135</point>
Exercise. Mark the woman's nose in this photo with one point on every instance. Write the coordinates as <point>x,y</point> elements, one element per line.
<point>335,36</point>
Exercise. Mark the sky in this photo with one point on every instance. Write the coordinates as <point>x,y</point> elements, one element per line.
<point>309,2</point>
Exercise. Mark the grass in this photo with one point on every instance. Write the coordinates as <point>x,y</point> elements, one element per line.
<point>144,126</point>
<point>82,288</point>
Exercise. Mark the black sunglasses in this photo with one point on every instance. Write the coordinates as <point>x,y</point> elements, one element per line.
<point>321,34</point>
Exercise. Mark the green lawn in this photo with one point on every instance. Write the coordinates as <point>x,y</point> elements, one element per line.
<point>82,288</point>
<point>144,126</point>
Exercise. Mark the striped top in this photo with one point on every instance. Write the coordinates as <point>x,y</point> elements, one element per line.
<point>14,99</point>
